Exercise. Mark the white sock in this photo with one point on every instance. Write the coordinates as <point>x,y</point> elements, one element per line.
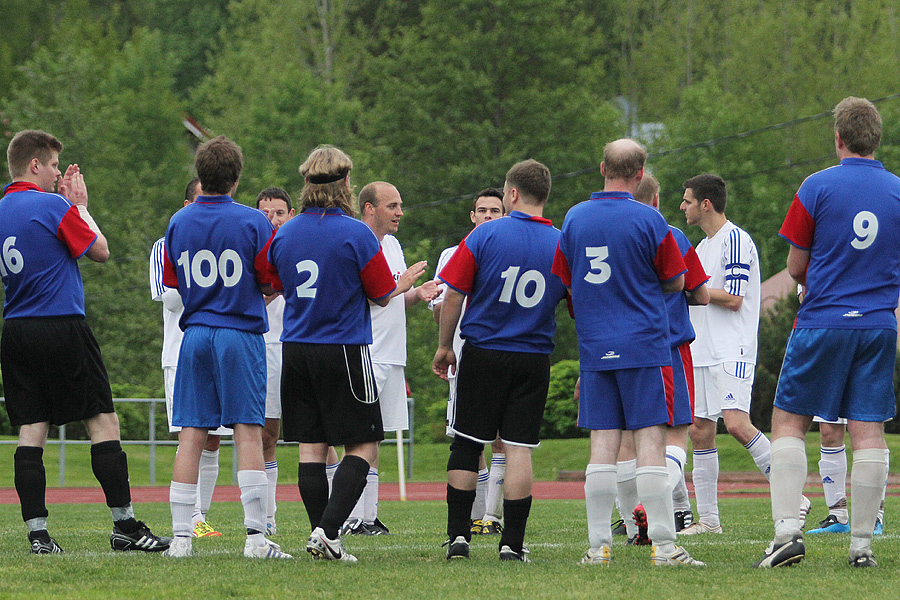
<point>786,485</point>
<point>887,459</point>
<point>330,470</point>
<point>370,497</point>
<point>867,480</point>
<point>493,509</point>
<point>206,483</point>
<point>253,486</point>
<point>478,507</point>
<point>680,499</point>
<point>675,459</point>
<point>599,496</point>
<point>182,497</point>
<point>272,478</point>
<point>833,471</point>
<point>759,449</point>
<point>657,501</point>
<point>706,484</point>
<point>627,493</point>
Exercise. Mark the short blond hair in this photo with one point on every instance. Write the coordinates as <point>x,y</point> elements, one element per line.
<point>647,189</point>
<point>858,123</point>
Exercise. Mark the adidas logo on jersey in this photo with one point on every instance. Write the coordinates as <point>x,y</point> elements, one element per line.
<point>827,479</point>
<point>729,397</point>
<point>610,354</point>
<point>853,313</point>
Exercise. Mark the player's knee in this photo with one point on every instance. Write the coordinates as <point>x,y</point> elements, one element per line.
<point>464,454</point>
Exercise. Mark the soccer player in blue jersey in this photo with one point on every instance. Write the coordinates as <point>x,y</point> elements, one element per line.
<point>844,229</point>
<point>216,257</point>
<point>502,269</point>
<point>51,363</point>
<point>619,257</point>
<point>330,265</point>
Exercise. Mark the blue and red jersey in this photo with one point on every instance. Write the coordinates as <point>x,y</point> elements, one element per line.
<point>503,266</point>
<point>613,254</point>
<point>848,218</point>
<point>216,258</point>
<point>42,236</point>
<point>680,329</point>
<point>328,265</point>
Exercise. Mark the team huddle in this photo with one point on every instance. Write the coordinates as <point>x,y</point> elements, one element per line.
<point>289,321</point>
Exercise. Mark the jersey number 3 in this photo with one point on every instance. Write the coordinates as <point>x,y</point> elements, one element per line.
<point>598,256</point>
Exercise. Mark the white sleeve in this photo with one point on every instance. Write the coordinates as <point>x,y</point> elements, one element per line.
<point>170,297</point>
<point>442,262</point>
<point>738,257</point>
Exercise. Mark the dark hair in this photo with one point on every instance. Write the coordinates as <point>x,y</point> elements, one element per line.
<point>192,189</point>
<point>532,179</point>
<point>28,144</point>
<point>490,192</point>
<point>623,161</point>
<point>708,186</point>
<point>858,123</point>
<point>648,188</point>
<point>219,163</point>
<point>273,193</point>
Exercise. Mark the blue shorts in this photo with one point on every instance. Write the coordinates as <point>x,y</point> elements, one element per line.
<point>221,378</point>
<point>839,373</point>
<point>682,397</point>
<point>625,398</point>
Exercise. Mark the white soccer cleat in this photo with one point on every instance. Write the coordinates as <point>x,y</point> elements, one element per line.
<point>698,527</point>
<point>679,557</point>
<point>597,556</point>
<point>805,505</point>
<point>325,549</point>
<point>179,548</point>
<point>267,550</point>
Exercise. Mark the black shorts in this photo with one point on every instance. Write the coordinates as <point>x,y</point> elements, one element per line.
<point>52,371</point>
<point>501,392</point>
<point>328,394</point>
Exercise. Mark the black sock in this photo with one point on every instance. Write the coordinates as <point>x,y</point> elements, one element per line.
<point>31,481</point>
<point>349,483</point>
<point>459,512</point>
<point>129,525</point>
<point>515,517</point>
<point>110,466</point>
<point>313,486</point>
<point>39,534</point>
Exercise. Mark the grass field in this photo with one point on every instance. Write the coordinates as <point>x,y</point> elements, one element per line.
<point>430,461</point>
<point>410,563</point>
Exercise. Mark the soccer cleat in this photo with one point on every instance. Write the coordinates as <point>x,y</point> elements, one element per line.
<point>805,505</point>
<point>863,558</point>
<point>491,528</point>
<point>41,546</point>
<point>476,527</point>
<point>640,519</point>
<point>141,540</point>
<point>830,524</point>
<point>507,553</point>
<point>379,527</point>
<point>618,527</point>
<point>204,529</point>
<point>597,556</point>
<point>458,548</point>
<point>179,548</point>
<point>271,529</point>
<point>683,519</point>
<point>879,527</point>
<point>783,555</point>
<point>325,549</point>
<point>679,557</point>
<point>698,527</point>
<point>268,550</point>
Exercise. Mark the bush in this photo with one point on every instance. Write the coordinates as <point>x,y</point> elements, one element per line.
<point>561,413</point>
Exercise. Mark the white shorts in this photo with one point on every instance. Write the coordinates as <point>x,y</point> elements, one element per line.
<point>840,420</point>
<point>725,386</point>
<point>169,379</point>
<point>451,405</point>
<point>391,383</point>
<point>273,381</point>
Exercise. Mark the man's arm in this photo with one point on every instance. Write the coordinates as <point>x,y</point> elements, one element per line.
<point>72,187</point>
<point>797,262</point>
<point>426,292</point>
<point>444,358</point>
<point>409,277</point>
<point>699,296</point>
<point>725,300</point>
<point>673,285</point>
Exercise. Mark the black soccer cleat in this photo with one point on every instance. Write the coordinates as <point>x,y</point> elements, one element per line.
<point>783,555</point>
<point>142,540</point>
<point>44,544</point>
<point>458,548</point>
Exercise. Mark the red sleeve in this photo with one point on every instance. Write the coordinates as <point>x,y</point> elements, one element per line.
<point>696,275</point>
<point>265,271</point>
<point>560,267</point>
<point>459,272</point>
<point>798,226</point>
<point>376,276</point>
<point>75,233</point>
<point>669,262</point>
<point>170,277</point>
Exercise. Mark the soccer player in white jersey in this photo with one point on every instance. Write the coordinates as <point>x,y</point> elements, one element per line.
<point>276,203</point>
<point>724,350</point>
<point>172,334</point>
<point>381,208</point>
<point>487,510</point>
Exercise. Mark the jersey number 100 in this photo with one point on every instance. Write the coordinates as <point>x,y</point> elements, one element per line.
<point>205,269</point>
